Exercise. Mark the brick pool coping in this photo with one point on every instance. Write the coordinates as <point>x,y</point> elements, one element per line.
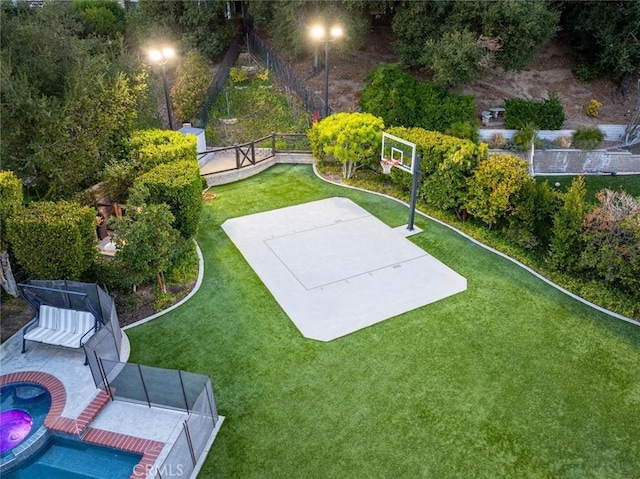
<point>149,449</point>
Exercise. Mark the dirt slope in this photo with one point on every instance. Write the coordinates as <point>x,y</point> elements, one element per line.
<point>550,72</point>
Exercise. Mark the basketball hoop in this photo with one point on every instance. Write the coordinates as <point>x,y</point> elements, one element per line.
<point>387,165</point>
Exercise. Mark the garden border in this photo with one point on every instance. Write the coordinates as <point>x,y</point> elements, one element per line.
<point>195,289</point>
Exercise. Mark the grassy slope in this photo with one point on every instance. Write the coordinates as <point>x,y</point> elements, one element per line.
<point>508,379</point>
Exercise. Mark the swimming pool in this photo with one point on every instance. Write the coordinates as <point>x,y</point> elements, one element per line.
<point>28,450</point>
<point>23,408</point>
<point>69,459</point>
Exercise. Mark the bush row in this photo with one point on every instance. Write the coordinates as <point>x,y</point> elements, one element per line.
<point>544,115</point>
<point>497,191</point>
<point>401,100</point>
<point>57,240</point>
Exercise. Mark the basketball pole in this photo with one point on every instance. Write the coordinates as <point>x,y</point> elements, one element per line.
<point>414,192</point>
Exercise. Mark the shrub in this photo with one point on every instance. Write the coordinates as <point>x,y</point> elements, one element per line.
<point>551,113</point>
<point>524,137</point>
<point>10,200</point>
<point>401,100</point>
<point>146,242</point>
<point>447,163</point>
<point>587,138</point>
<point>497,141</point>
<point>354,139</point>
<point>530,224</point>
<point>466,130</point>
<point>545,115</point>
<point>238,75</point>
<point>563,142</point>
<point>53,240</point>
<point>180,187</point>
<point>189,90</point>
<point>147,149</point>
<point>593,108</point>
<point>612,241</point>
<point>495,184</point>
<point>150,148</point>
<point>566,240</point>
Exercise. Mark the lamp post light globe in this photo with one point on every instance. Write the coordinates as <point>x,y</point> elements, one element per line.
<point>160,57</point>
<point>319,33</point>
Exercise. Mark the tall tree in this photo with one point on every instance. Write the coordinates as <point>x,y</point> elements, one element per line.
<point>606,35</point>
<point>10,203</point>
<point>288,23</point>
<point>504,31</point>
<point>67,101</point>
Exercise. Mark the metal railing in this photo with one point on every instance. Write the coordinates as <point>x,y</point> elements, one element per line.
<point>219,79</point>
<point>262,149</point>
<point>286,77</point>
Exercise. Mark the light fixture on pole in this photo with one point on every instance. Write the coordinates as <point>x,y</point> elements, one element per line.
<point>320,33</point>
<point>160,56</point>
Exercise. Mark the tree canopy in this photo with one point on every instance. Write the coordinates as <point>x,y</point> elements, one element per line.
<point>69,96</point>
<point>457,39</point>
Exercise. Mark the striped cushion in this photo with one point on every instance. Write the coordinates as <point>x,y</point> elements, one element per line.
<point>48,317</point>
<point>67,320</point>
<point>40,334</point>
<point>84,322</point>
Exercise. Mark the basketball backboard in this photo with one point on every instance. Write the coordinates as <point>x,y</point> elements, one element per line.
<point>395,149</point>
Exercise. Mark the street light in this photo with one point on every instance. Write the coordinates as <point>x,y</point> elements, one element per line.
<point>160,56</point>
<point>319,33</point>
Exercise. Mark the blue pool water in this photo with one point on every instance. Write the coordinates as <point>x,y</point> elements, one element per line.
<point>27,400</point>
<point>68,459</point>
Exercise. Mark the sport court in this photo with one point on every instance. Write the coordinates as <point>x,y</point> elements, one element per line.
<point>335,269</point>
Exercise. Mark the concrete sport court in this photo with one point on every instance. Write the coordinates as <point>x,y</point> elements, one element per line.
<point>334,268</point>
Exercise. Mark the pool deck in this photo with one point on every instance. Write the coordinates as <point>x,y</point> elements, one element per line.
<point>79,408</point>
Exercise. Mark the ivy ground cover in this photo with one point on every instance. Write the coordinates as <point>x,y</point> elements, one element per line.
<point>509,379</point>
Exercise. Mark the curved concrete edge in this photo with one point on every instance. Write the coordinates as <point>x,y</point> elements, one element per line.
<point>488,248</point>
<point>195,289</point>
<point>125,348</point>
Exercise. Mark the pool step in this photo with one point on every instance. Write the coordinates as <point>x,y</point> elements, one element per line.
<point>77,426</point>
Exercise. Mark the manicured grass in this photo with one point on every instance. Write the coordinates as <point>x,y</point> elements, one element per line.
<point>595,183</point>
<point>508,379</point>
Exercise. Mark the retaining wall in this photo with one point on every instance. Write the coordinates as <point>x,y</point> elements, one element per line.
<point>582,161</point>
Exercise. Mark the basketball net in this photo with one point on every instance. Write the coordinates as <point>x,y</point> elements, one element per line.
<point>387,165</point>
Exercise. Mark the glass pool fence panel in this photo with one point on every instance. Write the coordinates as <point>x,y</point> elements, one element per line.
<point>201,423</point>
<point>101,345</point>
<point>125,381</point>
<point>167,388</point>
<point>164,387</point>
<point>179,461</point>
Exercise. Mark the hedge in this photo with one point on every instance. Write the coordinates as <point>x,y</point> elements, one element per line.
<point>153,147</point>
<point>401,100</point>
<point>447,163</point>
<point>179,186</point>
<point>10,199</point>
<point>53,240</point>
<point>545,115</point>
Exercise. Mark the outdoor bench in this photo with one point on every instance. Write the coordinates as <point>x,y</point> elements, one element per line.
<point>60,327</point>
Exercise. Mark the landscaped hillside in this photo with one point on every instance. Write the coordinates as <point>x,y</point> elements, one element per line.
<point>551,72</point>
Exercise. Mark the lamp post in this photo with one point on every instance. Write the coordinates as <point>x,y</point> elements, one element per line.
<point>319,32</point>
<point>160,56</point>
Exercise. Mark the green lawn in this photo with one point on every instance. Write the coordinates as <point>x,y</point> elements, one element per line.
<point>508,379</point>
<point>595,183</point>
